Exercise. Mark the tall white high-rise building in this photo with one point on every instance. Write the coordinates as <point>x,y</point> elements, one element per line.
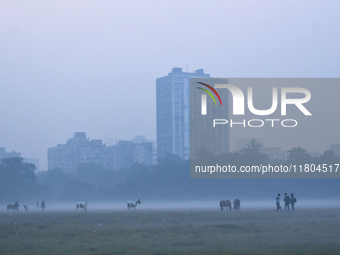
<point>173,108</point>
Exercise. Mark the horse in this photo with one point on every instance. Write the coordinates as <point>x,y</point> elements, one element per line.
<point>133,205</point>
<point>237,204</point>
<point>81,205</point>
<point>13,207</point>
<point>26,208</point>
<point>225,203</point>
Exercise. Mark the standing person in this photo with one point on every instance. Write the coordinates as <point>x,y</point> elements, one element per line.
<point>277,199</point>
<point>287,202</point>
<point>292,201</point>
<point>43,206</point>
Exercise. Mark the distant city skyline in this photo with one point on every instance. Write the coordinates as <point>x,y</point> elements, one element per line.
<point>80,150</point>
<point>67,66</point>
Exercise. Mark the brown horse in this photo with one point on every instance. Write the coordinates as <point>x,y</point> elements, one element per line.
<point>237,204</point>
<point>225,203</point>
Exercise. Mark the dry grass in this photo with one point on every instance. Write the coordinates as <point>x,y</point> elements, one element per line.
<point>171,232</point>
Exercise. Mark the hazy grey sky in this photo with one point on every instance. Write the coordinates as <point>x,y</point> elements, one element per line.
<point>91,66</point>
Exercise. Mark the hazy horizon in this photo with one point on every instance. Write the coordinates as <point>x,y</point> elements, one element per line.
<point>211,205</point>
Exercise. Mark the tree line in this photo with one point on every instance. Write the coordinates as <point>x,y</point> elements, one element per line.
<point>169,179</point>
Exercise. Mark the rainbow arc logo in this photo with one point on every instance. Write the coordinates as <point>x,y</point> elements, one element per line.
<point>204,97</point>
<point>209,93</point>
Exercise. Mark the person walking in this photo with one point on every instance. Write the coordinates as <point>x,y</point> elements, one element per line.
<point>43,206</point>
<point>287,202</point>
<point>292,201</point>
<point>277,200</point>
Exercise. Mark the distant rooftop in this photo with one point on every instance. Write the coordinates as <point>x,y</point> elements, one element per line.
<point>5,154</point>
<point>178,70</point>
<point>80,135</point>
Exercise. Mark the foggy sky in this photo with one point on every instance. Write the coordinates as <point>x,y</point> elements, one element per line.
<point>68,66</point>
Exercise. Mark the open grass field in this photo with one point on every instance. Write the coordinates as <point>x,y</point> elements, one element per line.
<point>199,231</point>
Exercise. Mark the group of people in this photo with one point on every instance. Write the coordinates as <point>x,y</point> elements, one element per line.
<point>288,200</point>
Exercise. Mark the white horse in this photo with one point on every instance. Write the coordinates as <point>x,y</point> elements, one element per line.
<point>133,205</point>
<point>81,205</point>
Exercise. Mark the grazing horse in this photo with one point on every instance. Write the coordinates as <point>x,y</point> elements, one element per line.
<point>237,204</point>
<point>81,205</point>
<point>133,205</point>
<point>225,203</point>
<point>13,207</point>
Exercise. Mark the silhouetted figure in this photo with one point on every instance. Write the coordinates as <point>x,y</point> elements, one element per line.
<point>225,203</point>
<point>26,208</point>
<point>237,204</point>
<point>277,200</point>
<point>287,202</point>
<point>292,201</point>
<point>13,207</point>
<point>37,205</point>
<point>43,206</point>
